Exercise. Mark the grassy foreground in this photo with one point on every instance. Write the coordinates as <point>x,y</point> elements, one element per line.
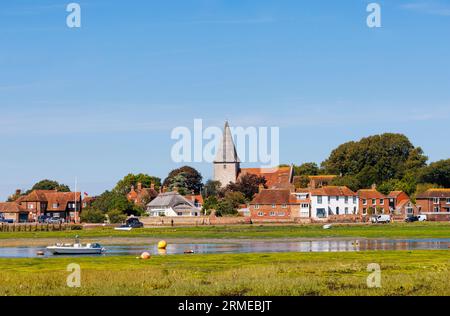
<point>291,274</point>
<point>394,230</point>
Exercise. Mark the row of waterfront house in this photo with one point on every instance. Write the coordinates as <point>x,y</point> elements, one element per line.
<point>273,204</point>
<point>280,200</point>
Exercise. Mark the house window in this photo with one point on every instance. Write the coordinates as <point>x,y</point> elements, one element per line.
<point>354,200</point>
<point>409,211</point>
<point>31,206</point>
<point>260,214</point>
<point>256,206</point>
<point>436,200</point>
<point>337,210</point>
<point>272,213</point>
<point>374,201</point>
<point>346,200</point>
<point>337,198</point>
<point>55,205</point>
<point>179,214</point>
<point>329,199</point>
<point>364,211</point>
<point>436,208</point>
<point>283,205</point>
<point>319,199</point>
<point>273,205</point>
<point>448,200</point>
<point>346,210</point>
<point>364,202</point>
<point>354,209</point>
<point>281,214</point>
<point>305,205</point>
<point>321,213</point>
<point>381,202</point>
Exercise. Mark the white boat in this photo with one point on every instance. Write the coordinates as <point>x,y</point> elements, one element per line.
<point>124,228</point>
<point>76,249</point>
<point>327,226</point>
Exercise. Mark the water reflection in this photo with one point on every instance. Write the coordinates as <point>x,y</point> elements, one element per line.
<point>255,247</point>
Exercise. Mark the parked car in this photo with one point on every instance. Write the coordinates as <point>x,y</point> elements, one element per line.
<point>412,219</point>
<point>382,219</point>
<point>55,220</point>
<point>43,219</point>
<point>134,222</point>
<point>5,220</point>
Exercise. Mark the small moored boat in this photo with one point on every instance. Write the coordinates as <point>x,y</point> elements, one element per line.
<point>76,249</point>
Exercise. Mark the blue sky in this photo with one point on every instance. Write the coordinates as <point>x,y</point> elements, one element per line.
<point>100,101</point>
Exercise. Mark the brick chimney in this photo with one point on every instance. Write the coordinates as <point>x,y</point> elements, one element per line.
<point>18,191</point>
<point>374,186</point>
<point>139,186</point>
<point>152,186</point>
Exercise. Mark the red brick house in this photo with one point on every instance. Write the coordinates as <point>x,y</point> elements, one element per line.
<point>142,196</point>
<point>395,197</point>
<point>274,205</point>
<point>435,203</point>
<point>66,205</point>
<point>370,200</point>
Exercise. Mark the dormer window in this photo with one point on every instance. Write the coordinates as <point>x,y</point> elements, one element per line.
<point>55,205</point>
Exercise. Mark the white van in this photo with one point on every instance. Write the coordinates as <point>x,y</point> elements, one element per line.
<point>421,218</point>
<point>381,219</point>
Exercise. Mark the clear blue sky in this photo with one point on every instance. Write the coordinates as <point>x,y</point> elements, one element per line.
<point>99,102</point>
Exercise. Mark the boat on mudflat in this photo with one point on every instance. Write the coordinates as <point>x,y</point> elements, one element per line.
<point>76,249</point>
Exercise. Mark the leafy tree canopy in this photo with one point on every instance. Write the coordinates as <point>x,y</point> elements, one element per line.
<point>248,185</point>
<point>376,159</point>
<point>193,179</point>
<point>211,188</point>
<point>124,186</point>
<point>437,172</point>
<point>351,182</point>
<point>307,169</point>
<point>50,185</point>
<point>109,201</point>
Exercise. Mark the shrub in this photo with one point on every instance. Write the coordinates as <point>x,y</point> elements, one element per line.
<point>116,217</point>
<point>92,216</point>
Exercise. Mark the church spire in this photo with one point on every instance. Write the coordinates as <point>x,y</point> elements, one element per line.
<point>226,153</point>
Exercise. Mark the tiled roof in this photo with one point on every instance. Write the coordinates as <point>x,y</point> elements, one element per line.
<point>434,193</point>
<point>198,198</point>
<point>52,198</point>
<point>394,194</point>
<point>275,196</point>
<point>11,207</point>
<point>333,191</point>
<point>323,177</point>
<point>276,177</point>
<point>370,194</point>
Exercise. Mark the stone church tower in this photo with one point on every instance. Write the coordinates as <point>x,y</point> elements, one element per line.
<point>227,163</point>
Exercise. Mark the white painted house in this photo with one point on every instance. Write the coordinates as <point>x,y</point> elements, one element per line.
<point>333,200</point>
<point>172,204</point>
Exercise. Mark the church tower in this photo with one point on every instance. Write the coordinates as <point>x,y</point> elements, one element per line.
<point>227,163</point>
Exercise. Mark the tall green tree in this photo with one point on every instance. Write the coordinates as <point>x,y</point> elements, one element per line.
<point>50,185</point>
<point>376,159</point>
<point>193,179</point>
<point>211,188</point>
<point>307,169</point>
<point>124,186</point>
<point>248,185</point>
<point>437,172</point>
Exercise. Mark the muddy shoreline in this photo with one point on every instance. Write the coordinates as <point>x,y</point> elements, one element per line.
<point>42,242</point>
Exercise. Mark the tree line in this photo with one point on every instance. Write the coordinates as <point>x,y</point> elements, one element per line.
<point>389,160</point>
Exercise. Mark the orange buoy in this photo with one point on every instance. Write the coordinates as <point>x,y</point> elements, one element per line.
<point>145,255</point>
